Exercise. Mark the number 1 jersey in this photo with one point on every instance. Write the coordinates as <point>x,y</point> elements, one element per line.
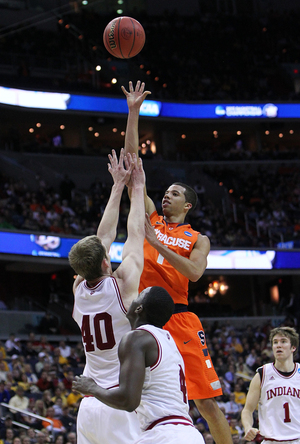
<point>279,405</point>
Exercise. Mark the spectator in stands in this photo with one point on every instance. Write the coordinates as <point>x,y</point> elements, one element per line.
<point>59,394</point>
<point>45,382</point>
<point>9,436</point>
<point>56,426</point>
<point>19,401</point>
<point>31,377</point>
<point>41,362</point>
<point>68,420</point>
<point>10,345</point>
<point>65,350</point>
<point>232,409</point>
<point>240,396</point>
<point>72,437</point>
<point>3,372</point>
<point>47,399</point>
<point>68,379</point>
<point>40,408</point>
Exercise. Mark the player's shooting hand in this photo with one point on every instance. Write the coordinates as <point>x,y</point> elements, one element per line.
<point>84,385</point>
<point>251,434</point>
<point>135,96</point>
<point>149,232</point>
<point>120,173</point>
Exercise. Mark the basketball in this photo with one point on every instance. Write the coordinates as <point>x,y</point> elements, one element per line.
<point>124,37</point>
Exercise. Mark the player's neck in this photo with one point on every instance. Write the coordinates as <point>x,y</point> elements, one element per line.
<point>174,219</point>
<point>286,366</point>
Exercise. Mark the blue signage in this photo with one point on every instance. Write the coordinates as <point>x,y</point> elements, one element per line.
<point>150,108</point>
<point>41,245</point>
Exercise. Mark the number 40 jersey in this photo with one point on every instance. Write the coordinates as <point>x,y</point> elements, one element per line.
<point>101,317</point>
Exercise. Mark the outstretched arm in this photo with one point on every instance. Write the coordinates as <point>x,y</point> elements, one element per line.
<point>107,228</point>
<point>250,405</point>
<point>135,97</point>
<point>133,352</point>
<point>192,267</point>
<point>129,272</point>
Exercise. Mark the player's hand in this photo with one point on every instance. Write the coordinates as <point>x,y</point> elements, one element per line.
<point>120,174</point>
<point>138,177</point>
<point>135,96</point>
<point>251,434</point>
<point>149,232</point>
<point>84,385</point>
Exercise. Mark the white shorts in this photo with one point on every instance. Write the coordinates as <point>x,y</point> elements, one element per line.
<point>98,423</point>
<point>270,441</point>
<point>171,434</point>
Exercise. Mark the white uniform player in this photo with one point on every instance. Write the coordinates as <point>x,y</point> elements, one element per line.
<point>275,389</point>
<point>99,309</point>
<point>101,317</point>
<point>279,405</point>
<point>164,410</point>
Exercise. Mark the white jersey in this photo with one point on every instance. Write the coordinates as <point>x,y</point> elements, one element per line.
<point>164,396</point>
<point>279,405</point>
<point>101,316</point>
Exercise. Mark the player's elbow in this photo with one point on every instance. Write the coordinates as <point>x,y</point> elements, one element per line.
<point>130,404</point>
<point>195,275</point>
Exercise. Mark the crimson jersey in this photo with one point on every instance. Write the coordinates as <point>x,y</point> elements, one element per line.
<point>179,238</point>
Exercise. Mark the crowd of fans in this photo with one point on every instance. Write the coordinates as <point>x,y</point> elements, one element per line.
<point>262,206</point>
<point>202,57</point>
<point>36,375</point>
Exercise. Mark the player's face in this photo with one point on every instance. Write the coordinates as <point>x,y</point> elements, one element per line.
<point>131,313</point>
<point>282,347</point>
<point>174,202</point>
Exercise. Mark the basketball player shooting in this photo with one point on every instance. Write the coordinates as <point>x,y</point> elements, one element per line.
<point>174,253</point>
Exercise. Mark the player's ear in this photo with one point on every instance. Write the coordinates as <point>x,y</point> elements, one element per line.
<point>139,309</point>
<point>293,348</point>
<point>188,206</point>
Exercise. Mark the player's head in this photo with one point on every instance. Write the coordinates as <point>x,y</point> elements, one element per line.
<point>288,332</point>
<point>86,258</point>
<point>153,306</point>
<point>181,197</point>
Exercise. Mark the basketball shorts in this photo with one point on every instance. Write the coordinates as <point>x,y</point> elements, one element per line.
<point>201,379</point>
<point>171,434</point>
<point>98,423</point>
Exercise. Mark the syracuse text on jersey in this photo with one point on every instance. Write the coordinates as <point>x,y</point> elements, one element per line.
<point>175,241</point>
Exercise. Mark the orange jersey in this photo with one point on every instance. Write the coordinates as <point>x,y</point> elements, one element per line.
<point>181,239</point>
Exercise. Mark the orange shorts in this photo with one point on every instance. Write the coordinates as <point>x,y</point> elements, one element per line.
<point>201,379</point>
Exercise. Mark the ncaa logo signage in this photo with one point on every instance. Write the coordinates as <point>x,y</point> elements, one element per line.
<point>187,233</point>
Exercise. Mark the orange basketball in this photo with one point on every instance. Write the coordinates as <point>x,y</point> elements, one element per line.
<point>124,37</point>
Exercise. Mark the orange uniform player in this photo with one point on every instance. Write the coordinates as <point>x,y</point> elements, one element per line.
<point>173,255</point>
<point>185,327</point>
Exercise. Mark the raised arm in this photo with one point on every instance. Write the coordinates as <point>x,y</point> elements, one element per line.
<point>135,97</point>
<point>130,270</point>
<point>134,350</point>
<point>192,267</point>
<point>250,405</point>
<point>107,228</point>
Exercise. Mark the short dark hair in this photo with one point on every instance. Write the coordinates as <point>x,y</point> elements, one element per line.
<point>190,194</point>
<point>158,306</point>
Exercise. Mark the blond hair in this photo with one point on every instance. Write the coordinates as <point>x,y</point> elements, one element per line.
<point>86,256</point>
